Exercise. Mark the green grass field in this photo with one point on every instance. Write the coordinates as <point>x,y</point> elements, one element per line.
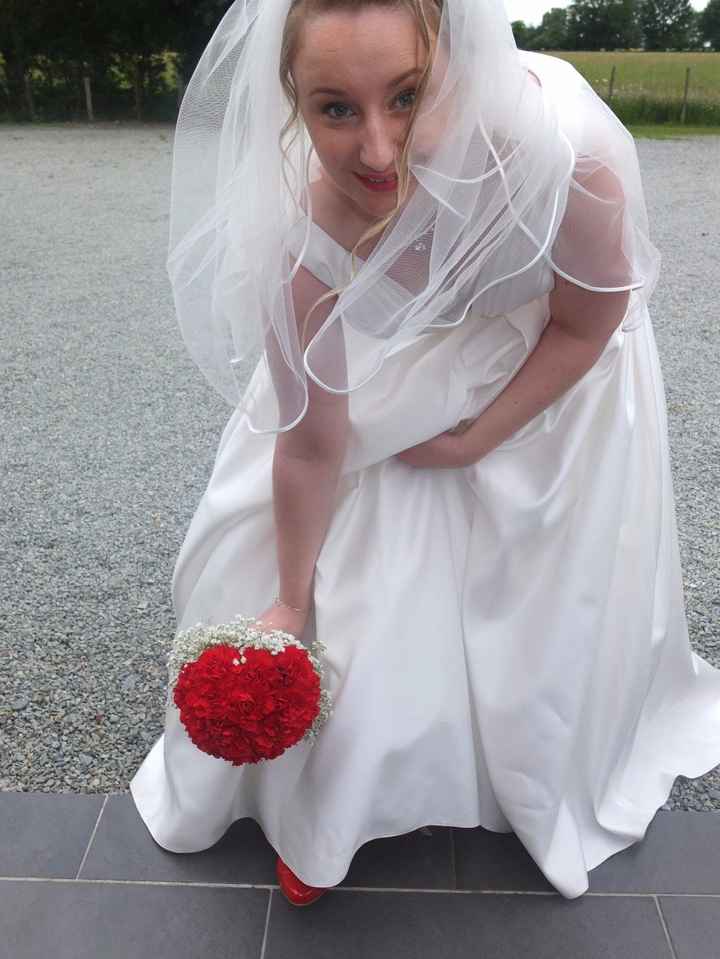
<point>667,131</point>
<point>649,87</point>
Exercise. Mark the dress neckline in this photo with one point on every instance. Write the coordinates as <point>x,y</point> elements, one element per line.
<point>332,240</point>
<point>388,283</point>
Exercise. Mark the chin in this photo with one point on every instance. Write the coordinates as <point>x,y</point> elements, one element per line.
<point>373,205</point>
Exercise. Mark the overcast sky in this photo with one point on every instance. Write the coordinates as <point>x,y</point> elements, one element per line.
<point>531,11</point>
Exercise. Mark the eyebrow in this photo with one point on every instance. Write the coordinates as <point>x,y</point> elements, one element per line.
<point>342,93</point>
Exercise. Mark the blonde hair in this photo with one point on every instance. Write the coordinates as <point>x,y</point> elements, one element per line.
<point>427,15</point>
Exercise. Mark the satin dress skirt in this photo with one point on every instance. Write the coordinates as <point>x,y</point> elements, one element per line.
<point>506,643</point>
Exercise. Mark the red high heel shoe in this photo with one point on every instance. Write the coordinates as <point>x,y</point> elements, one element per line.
<point>295,890</point>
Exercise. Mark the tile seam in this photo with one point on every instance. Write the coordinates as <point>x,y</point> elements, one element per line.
<point>663,923</point>
<point>92,836</point>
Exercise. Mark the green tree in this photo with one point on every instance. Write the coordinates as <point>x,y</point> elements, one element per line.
<point>710,23</point>
<point>137,33</point>
<point>75,45</point>
<point>552,34</point>
<point>695,40</point>
<point>602,25</point>
<point>193,22</point>
<point>21,38</point>
<point>666,24</point>
<point>522,33</point>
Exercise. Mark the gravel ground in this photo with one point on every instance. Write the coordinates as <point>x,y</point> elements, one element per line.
<point>109,435</point>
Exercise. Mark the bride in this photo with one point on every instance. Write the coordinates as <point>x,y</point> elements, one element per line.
<point>415,260</point>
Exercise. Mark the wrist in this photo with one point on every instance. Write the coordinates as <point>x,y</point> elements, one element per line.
<point>296,593</point>
<point>304,607</point>
<point>464,437</point>
<point>472,444</point>
<point>463,452</point>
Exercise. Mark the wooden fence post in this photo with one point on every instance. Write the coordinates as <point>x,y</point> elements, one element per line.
<point>138,86</point>
<point>29,98</point>
<point>611,84</point>
<point>683,109</point>
<point>88,98</point>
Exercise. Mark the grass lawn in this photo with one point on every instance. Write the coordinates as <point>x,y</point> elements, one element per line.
<point>648,87</point>
<point>664,131</point>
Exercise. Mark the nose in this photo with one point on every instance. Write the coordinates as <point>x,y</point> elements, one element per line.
<point>379,144</point>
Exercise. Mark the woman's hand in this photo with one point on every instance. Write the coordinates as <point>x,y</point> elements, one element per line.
<point>280,617</point>
<point>446,450</point>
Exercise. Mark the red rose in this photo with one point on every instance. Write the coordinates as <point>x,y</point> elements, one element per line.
<point>245,712</point>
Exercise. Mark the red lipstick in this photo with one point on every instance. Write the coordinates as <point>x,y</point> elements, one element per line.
<point>388,186</point>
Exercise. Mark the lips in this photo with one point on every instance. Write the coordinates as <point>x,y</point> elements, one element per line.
<point>383,186</point>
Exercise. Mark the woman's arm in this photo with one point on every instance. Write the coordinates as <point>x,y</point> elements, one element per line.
<point>590,242</point>
<point>581,323</point>
<point>580,326</point>
<point>306,469</point>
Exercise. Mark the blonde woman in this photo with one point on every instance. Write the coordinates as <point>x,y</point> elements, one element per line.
<point>416,262</point>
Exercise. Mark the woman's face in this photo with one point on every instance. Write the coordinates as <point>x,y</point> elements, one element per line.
<point>355,74</point>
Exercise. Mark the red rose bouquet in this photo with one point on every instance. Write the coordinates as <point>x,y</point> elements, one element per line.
<point>246,693</point>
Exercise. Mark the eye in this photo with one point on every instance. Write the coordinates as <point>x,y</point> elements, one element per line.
<point>405,99</point>
<point>406,93</point>
<point>334,106</point>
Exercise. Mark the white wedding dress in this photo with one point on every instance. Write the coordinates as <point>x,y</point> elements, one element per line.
<point>507,642</point>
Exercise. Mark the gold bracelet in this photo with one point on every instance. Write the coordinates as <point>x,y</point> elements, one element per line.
<point>279,602</point>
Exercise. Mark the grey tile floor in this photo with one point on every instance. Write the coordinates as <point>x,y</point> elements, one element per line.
<point>81,878</point>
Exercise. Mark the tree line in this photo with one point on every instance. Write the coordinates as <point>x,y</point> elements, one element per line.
<point>56,54</point>
<point>67,59</point>
<point>653,25</point>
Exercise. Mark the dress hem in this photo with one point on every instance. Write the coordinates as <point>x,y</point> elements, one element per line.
<point>641,823</point>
